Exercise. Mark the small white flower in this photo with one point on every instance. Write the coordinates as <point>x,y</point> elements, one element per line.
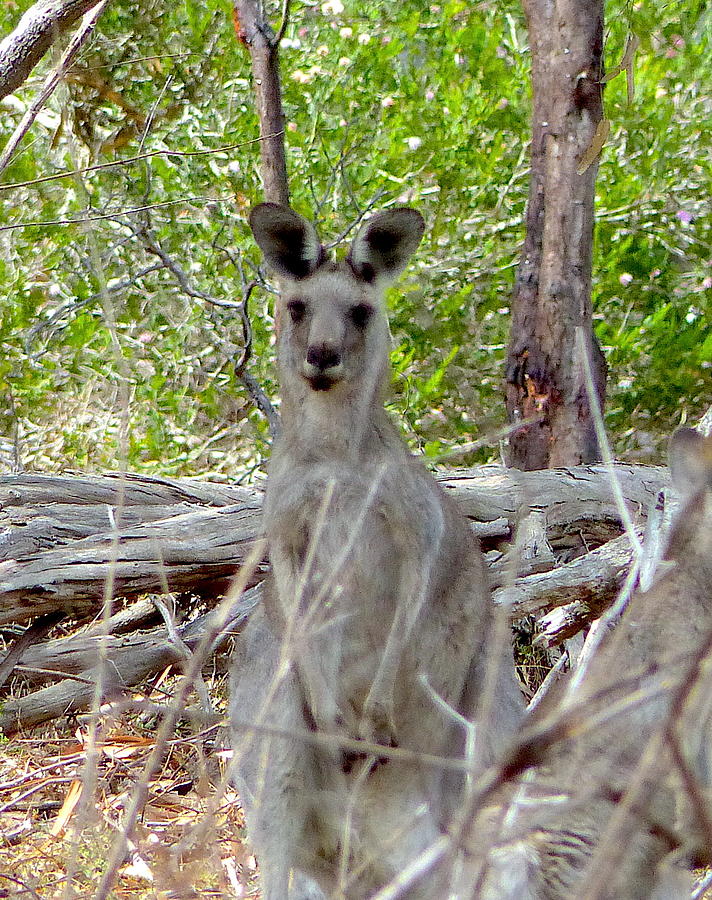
<point>414,142</point>
<point>364,38</point>
<point>332,7</point>
<point>387,102</point>
<point>625,279</point>
<point>346,32</point>
<point>301,77</point>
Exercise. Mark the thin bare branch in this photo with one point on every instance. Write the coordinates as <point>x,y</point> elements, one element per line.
<point>115,215</point>
<point>253,387</point>
<point>132,159</point>
<point>286,7</point>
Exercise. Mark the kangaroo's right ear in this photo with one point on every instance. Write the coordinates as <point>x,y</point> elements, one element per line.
<point>290,244</point>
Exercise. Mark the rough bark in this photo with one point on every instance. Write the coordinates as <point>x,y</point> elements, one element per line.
<point>255,32</point>
<point>552,295</point>
<point>39,27</point>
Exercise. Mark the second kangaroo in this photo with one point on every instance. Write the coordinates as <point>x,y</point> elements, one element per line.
<point>377,614</point>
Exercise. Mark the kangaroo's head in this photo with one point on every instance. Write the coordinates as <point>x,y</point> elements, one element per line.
<point>332,333</point>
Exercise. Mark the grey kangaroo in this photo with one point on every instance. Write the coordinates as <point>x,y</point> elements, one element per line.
<point>373,634</point>
<point>614,803</point>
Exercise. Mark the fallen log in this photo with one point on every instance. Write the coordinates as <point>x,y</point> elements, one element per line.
<point>591,580</point>
<point>199,550</point>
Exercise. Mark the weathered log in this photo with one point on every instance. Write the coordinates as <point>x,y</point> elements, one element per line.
<point>592,580</point>
<point>38,512</point>
<point>63,536</point>
<point>564,622</point>
<point>199,550</point>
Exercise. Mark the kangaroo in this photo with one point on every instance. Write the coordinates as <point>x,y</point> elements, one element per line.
<point>599,819</point>
<point>373,632</point>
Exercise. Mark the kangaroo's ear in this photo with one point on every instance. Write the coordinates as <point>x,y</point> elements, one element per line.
<point>690,460</point>
<point>290,244</point>
<point>384,245</point>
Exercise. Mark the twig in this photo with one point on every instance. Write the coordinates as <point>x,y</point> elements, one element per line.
<point>82,34</point>
<point>67,308</point>
<point>552,677</point>
<point>23,884</point>
<point>489,439</point>
<point>152,112</point>
<point>357,221</point>
<point>153,246</point>
<point>253,387</point>
<point>32,635</point>
<point>112,215</point>
<point>605,447</point>
<point>283,27</point>
<point>132,159</point>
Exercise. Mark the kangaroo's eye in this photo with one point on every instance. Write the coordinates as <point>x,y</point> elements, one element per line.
<point>361,314</point>
<point>297,309</point>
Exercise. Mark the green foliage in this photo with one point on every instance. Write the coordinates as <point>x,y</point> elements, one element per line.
<point>109,362</point>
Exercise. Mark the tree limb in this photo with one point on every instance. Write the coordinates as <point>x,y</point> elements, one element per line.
<point>39,27</point>
<point>255,33</point>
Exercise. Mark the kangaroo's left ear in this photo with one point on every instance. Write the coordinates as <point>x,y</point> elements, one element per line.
<point>385,244</point>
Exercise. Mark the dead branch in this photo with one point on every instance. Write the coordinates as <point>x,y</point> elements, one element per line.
<point>131,659</point>
<point>591,581</point>
<point>61,536</point>
<point>83,33</point>
<point>39,27</point>
<point>198,551</point>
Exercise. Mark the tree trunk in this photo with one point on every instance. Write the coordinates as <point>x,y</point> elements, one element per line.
<point>552,297</point>
<point>254,31</point>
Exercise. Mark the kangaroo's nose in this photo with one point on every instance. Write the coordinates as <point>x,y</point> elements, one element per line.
<point>323,357</point>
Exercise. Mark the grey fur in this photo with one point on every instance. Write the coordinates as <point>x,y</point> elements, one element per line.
<point>378,597</point>
<point>570,830</point>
